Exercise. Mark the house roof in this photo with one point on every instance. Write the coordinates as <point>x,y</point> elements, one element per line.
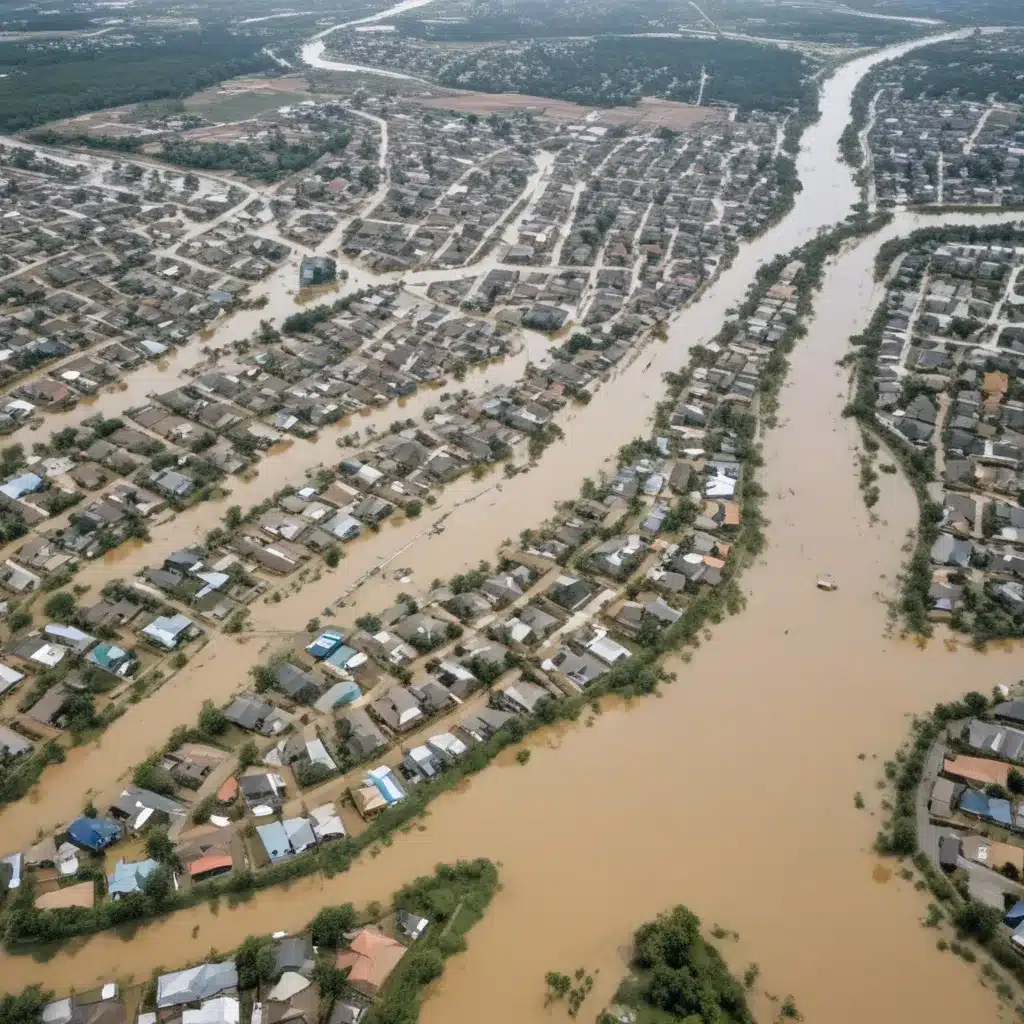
<point>977,769</point>
<point>81,895</point>
<point>212,862</point>
<point>129,877</point>
<point>93,833</point>
<point>166,630</point>
<point>370,958</point>
<point>195,984</point>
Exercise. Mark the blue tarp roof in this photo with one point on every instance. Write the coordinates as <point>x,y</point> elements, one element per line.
<point>1015,915</point>
<point>93,833</point>
<point>325,644</point>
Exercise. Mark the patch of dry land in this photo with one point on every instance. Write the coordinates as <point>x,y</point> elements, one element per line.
<point>650,112</point>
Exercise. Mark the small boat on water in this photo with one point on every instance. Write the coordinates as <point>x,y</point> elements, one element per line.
<point>826,582</point>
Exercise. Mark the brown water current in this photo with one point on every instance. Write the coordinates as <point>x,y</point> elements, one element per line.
<point>731,792</point>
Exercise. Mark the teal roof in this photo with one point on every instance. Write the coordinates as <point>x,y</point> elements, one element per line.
<point>130,876</point>
<point>342,656</point>
<point>106,655</point>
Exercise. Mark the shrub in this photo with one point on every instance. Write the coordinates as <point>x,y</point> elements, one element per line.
<point>60,606</point>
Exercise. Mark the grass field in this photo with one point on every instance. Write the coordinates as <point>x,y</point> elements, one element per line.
<point>238,106</point>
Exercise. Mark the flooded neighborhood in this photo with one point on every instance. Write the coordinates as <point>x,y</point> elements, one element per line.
<point>499,487</point>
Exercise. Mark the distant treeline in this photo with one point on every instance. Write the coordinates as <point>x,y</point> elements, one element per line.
<point>612,72</point>
<point>495,22</point>
<point>955,12</point>
<point>971,68</point>
<point>47,83</point>
<point>23,20</point>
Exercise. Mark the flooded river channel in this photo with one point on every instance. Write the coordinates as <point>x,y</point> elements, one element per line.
<point>732,791</point>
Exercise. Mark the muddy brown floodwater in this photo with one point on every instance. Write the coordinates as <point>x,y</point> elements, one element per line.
<point>731,792</point>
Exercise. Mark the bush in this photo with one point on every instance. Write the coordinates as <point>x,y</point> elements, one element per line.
<point>330,924</point>
<point>60,606</point>
<point>212,721</point>
<point>19,619</point>
<point>311,773</point>
<point>149,776</point>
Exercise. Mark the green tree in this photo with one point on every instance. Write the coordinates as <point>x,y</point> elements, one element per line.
<point>331,979</point>
<point>256,960</point>
<point>19,619</point>
<point>248,755</point>
<point>330,924</point>
<point>558,985</point>
<point>159,845</point>
<point>150,776</point>
<point>60,606</point>
<point>424,965</point>
<point>12,458</point>
<point>212,720</point>
<point>26,1008</point>
<point>159,887</point>
<point>977,921</point>
<point>263,677</point>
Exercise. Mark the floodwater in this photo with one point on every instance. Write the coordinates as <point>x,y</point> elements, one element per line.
<point>733,792</point>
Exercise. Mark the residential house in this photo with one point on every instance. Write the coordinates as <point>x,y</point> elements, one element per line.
<point>397,709</point>
<point>521,697</point>
<point>369,960</point>
<point>197,984</point>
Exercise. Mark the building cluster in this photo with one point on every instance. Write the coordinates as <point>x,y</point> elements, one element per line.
<point>104,482</point>
<point>229,248</point>
<point>945,150</point>
<point>69,678</point>
<point>90,291</point>
<point>976,813</point>
<point>451,189</point>
<point>625,226</point>
<point>948,381</point>
<point>290,974</point>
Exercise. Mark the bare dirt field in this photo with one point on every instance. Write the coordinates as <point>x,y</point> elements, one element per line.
<point>659,113</point>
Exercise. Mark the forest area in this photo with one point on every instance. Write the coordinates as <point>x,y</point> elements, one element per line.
<point>59,81</point>
<point>613,72</point>
<point>973,69</point>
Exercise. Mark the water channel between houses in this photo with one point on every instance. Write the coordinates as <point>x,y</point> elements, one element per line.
<point>732,792</point>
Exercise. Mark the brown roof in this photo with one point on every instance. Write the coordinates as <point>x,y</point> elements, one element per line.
<point>214,862</point>
<point>81,895</point>
<point>372,956</point>
<point>995,383</point>
<point>991,854</point>
<point>368,800</point>
<point>977,769</point>
<point>228,791</point>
